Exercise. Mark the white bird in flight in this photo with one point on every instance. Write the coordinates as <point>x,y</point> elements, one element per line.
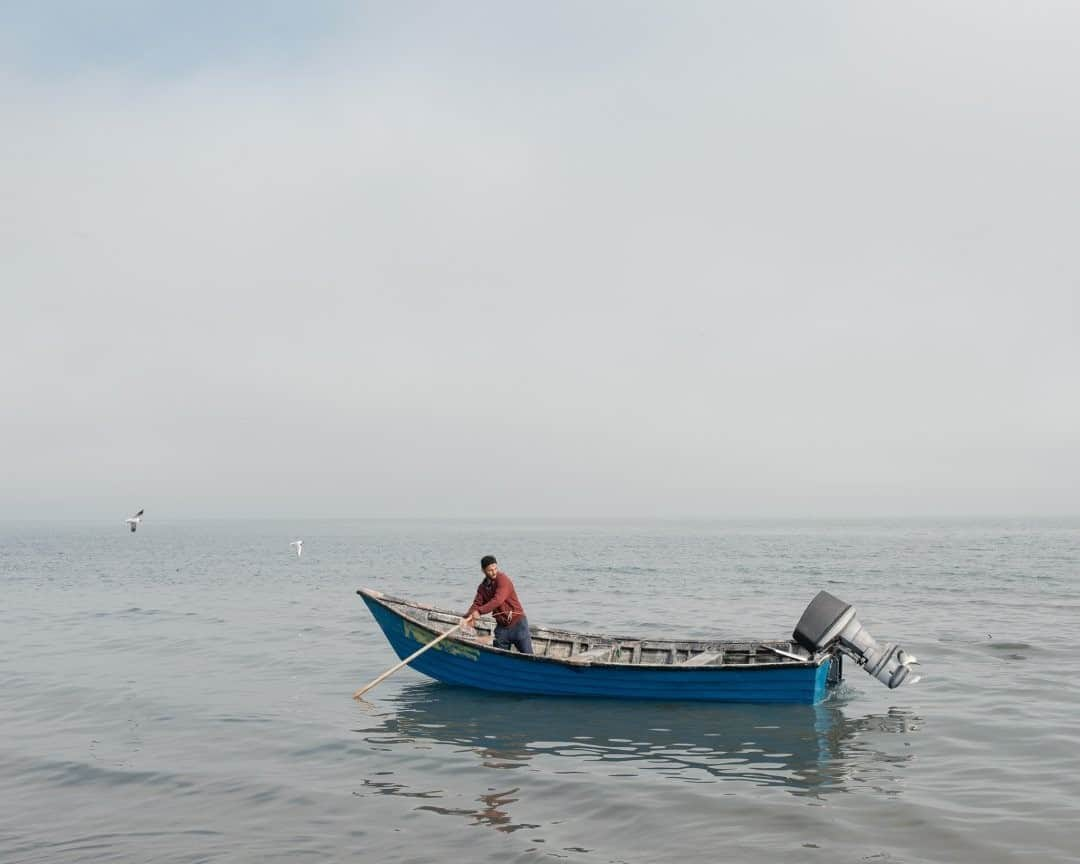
<point>134,521</point>
<point>299,544</point>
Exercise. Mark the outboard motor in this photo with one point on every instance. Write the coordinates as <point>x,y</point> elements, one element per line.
<point>828,620</point>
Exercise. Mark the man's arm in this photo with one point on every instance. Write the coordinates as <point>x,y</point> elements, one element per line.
<point>477,602</point>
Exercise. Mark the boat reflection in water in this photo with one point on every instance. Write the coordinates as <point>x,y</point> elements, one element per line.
<point>808,750</point>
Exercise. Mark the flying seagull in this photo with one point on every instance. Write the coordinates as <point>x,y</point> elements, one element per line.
<point>134,521</point>
<point>299,544</point>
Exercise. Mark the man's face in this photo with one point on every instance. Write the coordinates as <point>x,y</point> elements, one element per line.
<point>491,570</point>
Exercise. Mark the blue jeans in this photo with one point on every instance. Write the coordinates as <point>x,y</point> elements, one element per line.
<point>516,634</point>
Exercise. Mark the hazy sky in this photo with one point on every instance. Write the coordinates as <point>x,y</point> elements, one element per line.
<point>548,258</point>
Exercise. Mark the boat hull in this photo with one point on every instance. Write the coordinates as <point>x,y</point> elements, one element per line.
<point>467,664</point>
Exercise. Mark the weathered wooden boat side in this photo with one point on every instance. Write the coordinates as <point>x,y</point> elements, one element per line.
<point>582,664</point>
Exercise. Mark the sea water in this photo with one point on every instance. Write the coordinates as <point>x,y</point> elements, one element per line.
<point>182,694</point>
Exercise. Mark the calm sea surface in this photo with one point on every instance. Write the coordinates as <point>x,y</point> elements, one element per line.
<point>182,694</point>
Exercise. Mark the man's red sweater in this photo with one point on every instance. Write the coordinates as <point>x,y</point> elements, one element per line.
<point>498,597</point>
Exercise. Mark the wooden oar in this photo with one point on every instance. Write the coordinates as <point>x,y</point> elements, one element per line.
<point>406,661</point>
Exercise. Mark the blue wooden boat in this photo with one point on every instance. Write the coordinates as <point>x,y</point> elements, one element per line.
<point>796,670</point>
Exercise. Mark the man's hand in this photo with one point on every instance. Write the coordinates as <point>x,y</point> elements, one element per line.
<point>467,621</point>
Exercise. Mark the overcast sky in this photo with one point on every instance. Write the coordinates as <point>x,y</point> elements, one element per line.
<point>539,259</point>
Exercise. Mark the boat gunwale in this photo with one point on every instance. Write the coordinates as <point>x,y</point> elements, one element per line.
<point>782,662</point>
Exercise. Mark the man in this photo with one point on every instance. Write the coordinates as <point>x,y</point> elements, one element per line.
<point>496,594</point>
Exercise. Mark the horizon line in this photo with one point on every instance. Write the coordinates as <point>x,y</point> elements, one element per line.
<point>792,517</point>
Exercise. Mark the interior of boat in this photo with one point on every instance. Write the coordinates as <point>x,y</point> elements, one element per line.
<point>589,648</point>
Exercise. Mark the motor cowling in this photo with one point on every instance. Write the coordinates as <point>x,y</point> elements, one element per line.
<point>830,621</point>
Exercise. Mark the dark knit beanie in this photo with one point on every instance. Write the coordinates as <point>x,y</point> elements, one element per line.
<point>486,561</point>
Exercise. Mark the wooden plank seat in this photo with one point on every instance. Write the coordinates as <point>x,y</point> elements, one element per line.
<point>443,617</point>
<point>599,653</point>
<point>702,659</point>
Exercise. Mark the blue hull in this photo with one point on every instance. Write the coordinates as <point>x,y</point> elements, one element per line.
<point>456,661</point>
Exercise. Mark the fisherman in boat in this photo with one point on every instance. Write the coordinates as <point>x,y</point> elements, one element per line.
<point>496,595</point>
